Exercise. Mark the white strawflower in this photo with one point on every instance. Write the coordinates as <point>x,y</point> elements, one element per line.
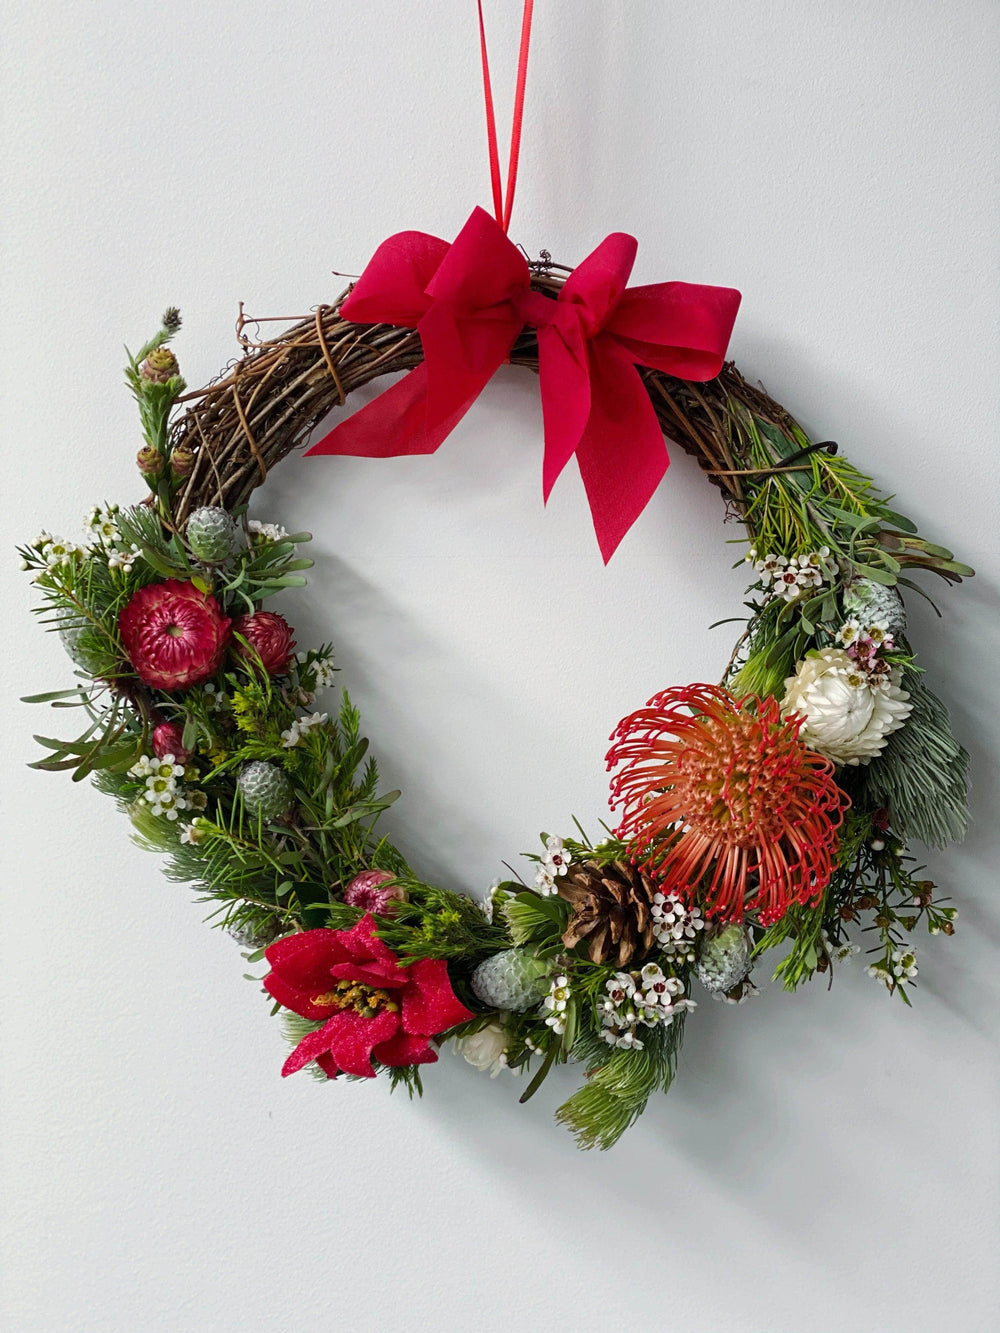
<point>847,716</point>
<point>485,1049</point>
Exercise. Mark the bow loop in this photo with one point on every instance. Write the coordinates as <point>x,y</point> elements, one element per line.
<point>470,300</point>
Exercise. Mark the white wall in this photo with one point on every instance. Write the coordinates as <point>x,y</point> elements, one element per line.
<point>827,1162</point>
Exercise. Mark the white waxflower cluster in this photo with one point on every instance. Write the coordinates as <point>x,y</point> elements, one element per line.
<point>266,532</point>
<point>322,668</point>
<point>291,737</point>
<point>56,551</point>
<point>640,999</point>
<point>163,792</point>
<point>101,522</point>
<point>124,558</point>
<point>900,970</point>
<point>555,862</point>
<point>675,926</point>
<point>554,1004</point>
<point>788,576</point>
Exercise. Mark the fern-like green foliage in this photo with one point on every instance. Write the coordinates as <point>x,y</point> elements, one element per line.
<point>619,1084</point>
<point>922,774</point>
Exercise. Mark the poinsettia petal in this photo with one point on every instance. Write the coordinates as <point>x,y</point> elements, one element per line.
<point>361,943</point>
<point>312,1045</point>
<point>429,1003</point>
<point>352,1038</point>
<point>405,1049</point>
<point>371,974</point>
<point>328,1064</point>
<point>298,1001</point>
<point>304,960</point>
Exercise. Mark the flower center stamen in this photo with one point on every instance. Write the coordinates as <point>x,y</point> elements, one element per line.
<point>364,1000</point>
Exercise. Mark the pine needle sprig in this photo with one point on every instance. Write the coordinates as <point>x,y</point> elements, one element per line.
<point>619,1084</point>
<point>922,774</point>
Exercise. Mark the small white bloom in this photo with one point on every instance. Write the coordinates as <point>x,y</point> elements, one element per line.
<point>555,1004</point>
<point>557,860</point>
<point>878,973</point>
<point>544,883</point>
<point>101,522</point>
<point>485,1049</point>
<point>486,904</point>
<point>904,964</point>
<point>59,551</point>
<point>266,532</point>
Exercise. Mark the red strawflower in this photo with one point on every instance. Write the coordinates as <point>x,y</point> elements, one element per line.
<point>368,892</point>
<point>722,802</point>
<point>270,637</point>
<point>168,739</point>
<point>174,634</point>
<point>373,1004</point>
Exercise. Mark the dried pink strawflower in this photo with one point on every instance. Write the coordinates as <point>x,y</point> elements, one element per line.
<point>374,891</point>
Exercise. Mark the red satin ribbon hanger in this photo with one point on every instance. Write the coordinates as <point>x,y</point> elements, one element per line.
<point>504,203</point>
<point>470,300</point>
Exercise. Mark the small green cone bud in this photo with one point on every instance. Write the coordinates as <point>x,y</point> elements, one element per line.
<point>211,535</point>
<point>266,792</point>
<point>160,366</point>
<point>149,461</point>
<point>182,461</point>
<point>74,640</point>
<point>724,960</point>
<point>512,980</point>
<point>867,601</point>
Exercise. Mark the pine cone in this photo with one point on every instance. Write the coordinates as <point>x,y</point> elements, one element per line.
<point>611,911</point>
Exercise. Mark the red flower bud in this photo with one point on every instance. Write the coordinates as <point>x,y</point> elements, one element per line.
<point>174,634</point>
<point>270,637</point>
<point>168,739</point>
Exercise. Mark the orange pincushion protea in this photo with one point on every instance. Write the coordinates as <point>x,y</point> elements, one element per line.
<point>723,803</point>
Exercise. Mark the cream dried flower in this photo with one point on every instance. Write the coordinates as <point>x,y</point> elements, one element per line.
<point>847,716</point>
<point>485,1049</point>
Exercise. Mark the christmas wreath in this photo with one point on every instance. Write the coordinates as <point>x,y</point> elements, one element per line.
<point>772,810</point>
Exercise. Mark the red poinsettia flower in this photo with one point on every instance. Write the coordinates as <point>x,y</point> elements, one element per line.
<point>270,638</point>
<point>174,634</point>
<point>373,1005</point>
<point>722,802</point>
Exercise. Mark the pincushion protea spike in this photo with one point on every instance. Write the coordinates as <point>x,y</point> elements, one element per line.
<point>721,802</point>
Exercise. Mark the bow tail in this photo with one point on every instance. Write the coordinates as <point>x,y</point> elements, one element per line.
<point>622,454</point>
<point>393,424</point>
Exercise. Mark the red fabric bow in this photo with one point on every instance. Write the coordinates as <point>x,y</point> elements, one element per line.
<point>469,301</point>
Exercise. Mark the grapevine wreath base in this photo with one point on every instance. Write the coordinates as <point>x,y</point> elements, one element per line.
<point>771,810</point>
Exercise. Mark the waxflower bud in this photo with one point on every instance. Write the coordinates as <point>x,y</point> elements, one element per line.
<point>160,366</point>
<point>149,461</point>
<point>182,461</point>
